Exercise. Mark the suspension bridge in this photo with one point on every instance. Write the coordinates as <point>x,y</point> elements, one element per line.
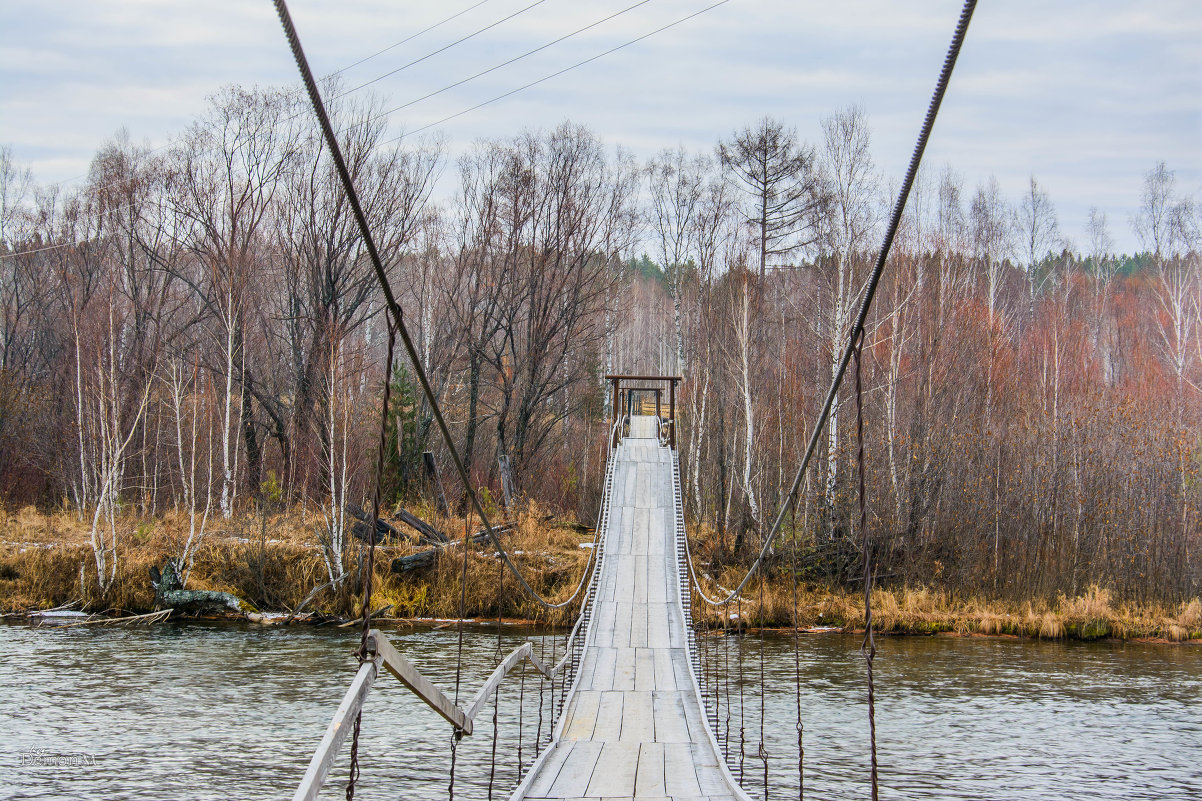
<point>632,722</point>
<point>631,719</point>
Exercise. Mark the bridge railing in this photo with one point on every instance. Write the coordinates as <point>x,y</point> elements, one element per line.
<point>382,653</point>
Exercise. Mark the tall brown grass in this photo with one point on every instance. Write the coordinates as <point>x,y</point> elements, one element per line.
<point>273,562</point>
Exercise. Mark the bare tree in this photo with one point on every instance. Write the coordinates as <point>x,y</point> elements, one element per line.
<point>992,234</point>
<point>230,164</point>
<point>676,184</point>
<point>777,173</point>
<point>1035,221</point>
<point>850,188</point>
<point>1104,266</point>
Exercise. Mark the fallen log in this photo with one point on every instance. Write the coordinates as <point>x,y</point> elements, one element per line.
<point>403,564</point>
<point>169,592</point>
<point>384,530</point>
<point>432,535</point>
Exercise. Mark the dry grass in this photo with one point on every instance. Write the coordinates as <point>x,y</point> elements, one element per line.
<point>46,560</point>
<point>924,610</point>
<point>274,562</point>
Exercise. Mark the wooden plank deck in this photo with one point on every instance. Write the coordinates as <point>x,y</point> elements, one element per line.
<point>632,725</point>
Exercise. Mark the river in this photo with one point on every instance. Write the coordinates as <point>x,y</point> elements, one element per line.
<point>233,712</point>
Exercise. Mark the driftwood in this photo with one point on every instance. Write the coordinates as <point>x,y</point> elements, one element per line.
<point>313,594</point>
<point>403,564</point>
<point>152,617</point>
<point>169,591</point>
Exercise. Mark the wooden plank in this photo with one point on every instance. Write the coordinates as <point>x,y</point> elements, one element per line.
<point>665,678</point>
<point>649,778</point>
<point>638,717</point>
<point>658,629</point>
<point>336,732</point>
<point>614,774</point>
<point>548,771</point>
<point>582,716</point>
<point>576,772</point>
<point>638,625</point>
<point>620,631</point>
<point>408,675</point>
<point>604,622</point>
<point>624,669</point>
<point>644,669</point>
<point>609,717</point>
<point>606,669</point>
<point>680,777</point>
<point>494,679</point>
<point>709,774</point>
<point>671,722</point>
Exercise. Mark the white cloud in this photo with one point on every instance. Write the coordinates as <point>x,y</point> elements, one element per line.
<point>1085,94</point>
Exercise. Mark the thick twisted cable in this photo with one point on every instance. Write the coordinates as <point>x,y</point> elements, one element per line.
<point>874,280</point>
<point>394,308</point>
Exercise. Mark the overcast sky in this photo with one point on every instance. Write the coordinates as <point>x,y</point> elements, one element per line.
<point>1087,96</point>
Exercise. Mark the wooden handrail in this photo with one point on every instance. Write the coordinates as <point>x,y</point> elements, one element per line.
<point>408,675</point>
<point>386,655</point>
<point>323,757</point>
<point>523,651</point>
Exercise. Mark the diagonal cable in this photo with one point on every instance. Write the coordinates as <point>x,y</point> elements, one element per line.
<point>857,330</point>
<point>394,308</point>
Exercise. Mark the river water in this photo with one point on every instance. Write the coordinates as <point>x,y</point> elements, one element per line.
<point>234,712</point>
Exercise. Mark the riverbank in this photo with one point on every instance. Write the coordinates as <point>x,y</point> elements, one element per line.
<point>274,562</point>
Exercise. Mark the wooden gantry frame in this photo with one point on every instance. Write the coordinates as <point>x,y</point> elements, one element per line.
<point>623,388</point>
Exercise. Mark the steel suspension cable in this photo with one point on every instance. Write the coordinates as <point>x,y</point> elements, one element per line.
<point>328,75</point>
<point>503,64</point>
<point>857,329</point>
<point>393,307</point>
<point>557,73</point>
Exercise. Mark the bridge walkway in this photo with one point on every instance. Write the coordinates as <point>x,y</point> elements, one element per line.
<point>633,724</point>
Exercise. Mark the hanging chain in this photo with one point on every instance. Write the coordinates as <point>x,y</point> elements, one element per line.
<point>868,647</point>
<point>492,767</point>
<point>538,731</point>
<point>797,667</point>
<point>522,705</point>
<point>372,530</point>
<point>456,736</point>
<point>742,728</point>
<point>762,752</point>
<point>726,682</point>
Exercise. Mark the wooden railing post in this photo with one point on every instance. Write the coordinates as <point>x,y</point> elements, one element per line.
<point>672,413</point>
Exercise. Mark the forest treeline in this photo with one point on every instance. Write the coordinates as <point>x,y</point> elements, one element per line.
<point>198,329</point>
